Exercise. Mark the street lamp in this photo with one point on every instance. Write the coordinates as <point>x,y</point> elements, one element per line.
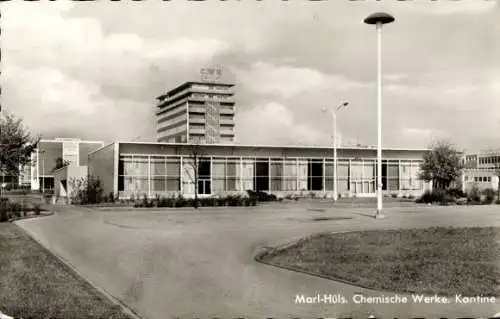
<point>334,118</point>
<point>43,169</point>
<point>379,19</point>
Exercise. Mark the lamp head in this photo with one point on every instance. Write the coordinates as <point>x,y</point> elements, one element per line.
<point>379,17</point>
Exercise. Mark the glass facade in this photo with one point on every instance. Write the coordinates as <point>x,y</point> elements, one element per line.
<point>176,174</point>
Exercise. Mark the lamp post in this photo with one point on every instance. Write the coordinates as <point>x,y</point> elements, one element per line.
<point>379,19</point>
<point>334,118</point>
<point>43,170</point>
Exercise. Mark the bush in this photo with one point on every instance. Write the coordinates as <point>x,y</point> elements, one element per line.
<point>37,209</point>
<point>87,190</point>
<point>474,195</point>
<point>4,210</point>
<point>489,195</point>
<point>261,196</point>
<point>394,195</point>
<point>497,201</point>
<point>436,196</point>
<point>456,192</point>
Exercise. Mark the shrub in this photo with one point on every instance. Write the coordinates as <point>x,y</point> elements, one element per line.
<point>436,196</point>
<point>411,196</point>
<point>4,211</point>
<point>261,196</point>
<point>394,195</point>
<point>37,209</point>
<point>497,201</point>
<point>474,195</point>
<point>456,192</point>
<point>489,195</point>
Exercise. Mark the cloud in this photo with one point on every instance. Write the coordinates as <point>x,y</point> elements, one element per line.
<point>289,81</point>
<point>69,72</point>
<point>95,70</point>
<point>273,123</point>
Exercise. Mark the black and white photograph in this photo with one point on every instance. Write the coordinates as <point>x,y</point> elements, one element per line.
<point>249,159</point>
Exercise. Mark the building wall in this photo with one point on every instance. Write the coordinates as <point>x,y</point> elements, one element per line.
<point>85,148</point>
<point>203,110</point>
<point>481,178</point>
<point>102,164</point>
<point>65,180</point>
<point>161,169</point>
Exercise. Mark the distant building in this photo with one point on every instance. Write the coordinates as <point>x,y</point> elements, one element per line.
<point>43,159</point>
<point>196,112</point>
<point>481,169</point>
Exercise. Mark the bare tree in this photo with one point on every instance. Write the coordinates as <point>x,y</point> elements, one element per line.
<point>195,155</point>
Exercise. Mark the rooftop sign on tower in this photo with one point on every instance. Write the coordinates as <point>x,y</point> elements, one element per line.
<point>211,74</point>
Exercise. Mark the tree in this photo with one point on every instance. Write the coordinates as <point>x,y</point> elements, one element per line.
<point>195,154</point>
<point>442,165</point>
<point>60,163</point>
<point>16,144</point>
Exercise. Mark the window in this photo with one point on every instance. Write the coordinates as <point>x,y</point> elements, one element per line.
<point>489,179</point>
<point>466,178</point>
<point>476,179</point>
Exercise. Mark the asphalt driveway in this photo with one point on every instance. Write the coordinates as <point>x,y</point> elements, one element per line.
<point>199,264</point>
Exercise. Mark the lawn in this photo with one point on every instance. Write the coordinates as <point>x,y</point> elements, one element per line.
<point>438,260</point>
<point>35,284</point>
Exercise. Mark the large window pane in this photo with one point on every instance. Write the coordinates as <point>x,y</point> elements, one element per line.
<point>204,170</point>
<point>392,171</point>
<point>356,170</point>
<point>219,169</point>
<point>393,184</point>
<point>276,169</point>
<point>290,168</point>
<point>219,184</point>
<point>231,169</point>
<point>158,166</point>
<point>158,184</point>
<point>173,184</point>
<point>290,184</point>
<point>369,170</point>
<point>174,167</point>
<point>232,183</point>
<point>141,164</point>
<point>276,184</point>
<point>343,169</point>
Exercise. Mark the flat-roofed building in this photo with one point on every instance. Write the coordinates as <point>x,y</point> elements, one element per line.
<point>481,169</point>
<point>43,160</point>
<point>137,169</point>
<point>196,112</point>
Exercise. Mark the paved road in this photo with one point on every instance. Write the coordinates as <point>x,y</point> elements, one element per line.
<point>188,264</point>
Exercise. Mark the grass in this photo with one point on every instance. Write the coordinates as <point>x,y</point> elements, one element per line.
<point>35,284</point>
<point>438,260</point>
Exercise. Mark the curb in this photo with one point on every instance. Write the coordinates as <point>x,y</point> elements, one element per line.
<point>128,310</point>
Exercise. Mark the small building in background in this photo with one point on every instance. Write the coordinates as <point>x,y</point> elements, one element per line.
<point>73,151</point>
<point>481,169</point>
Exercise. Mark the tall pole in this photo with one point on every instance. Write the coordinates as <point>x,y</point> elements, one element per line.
<point>335,177</point>
<point>43,172</point>
<point>379,119</point>
<point>379,19</point>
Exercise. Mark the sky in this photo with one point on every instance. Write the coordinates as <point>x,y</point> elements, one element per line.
<point>93,70</point>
